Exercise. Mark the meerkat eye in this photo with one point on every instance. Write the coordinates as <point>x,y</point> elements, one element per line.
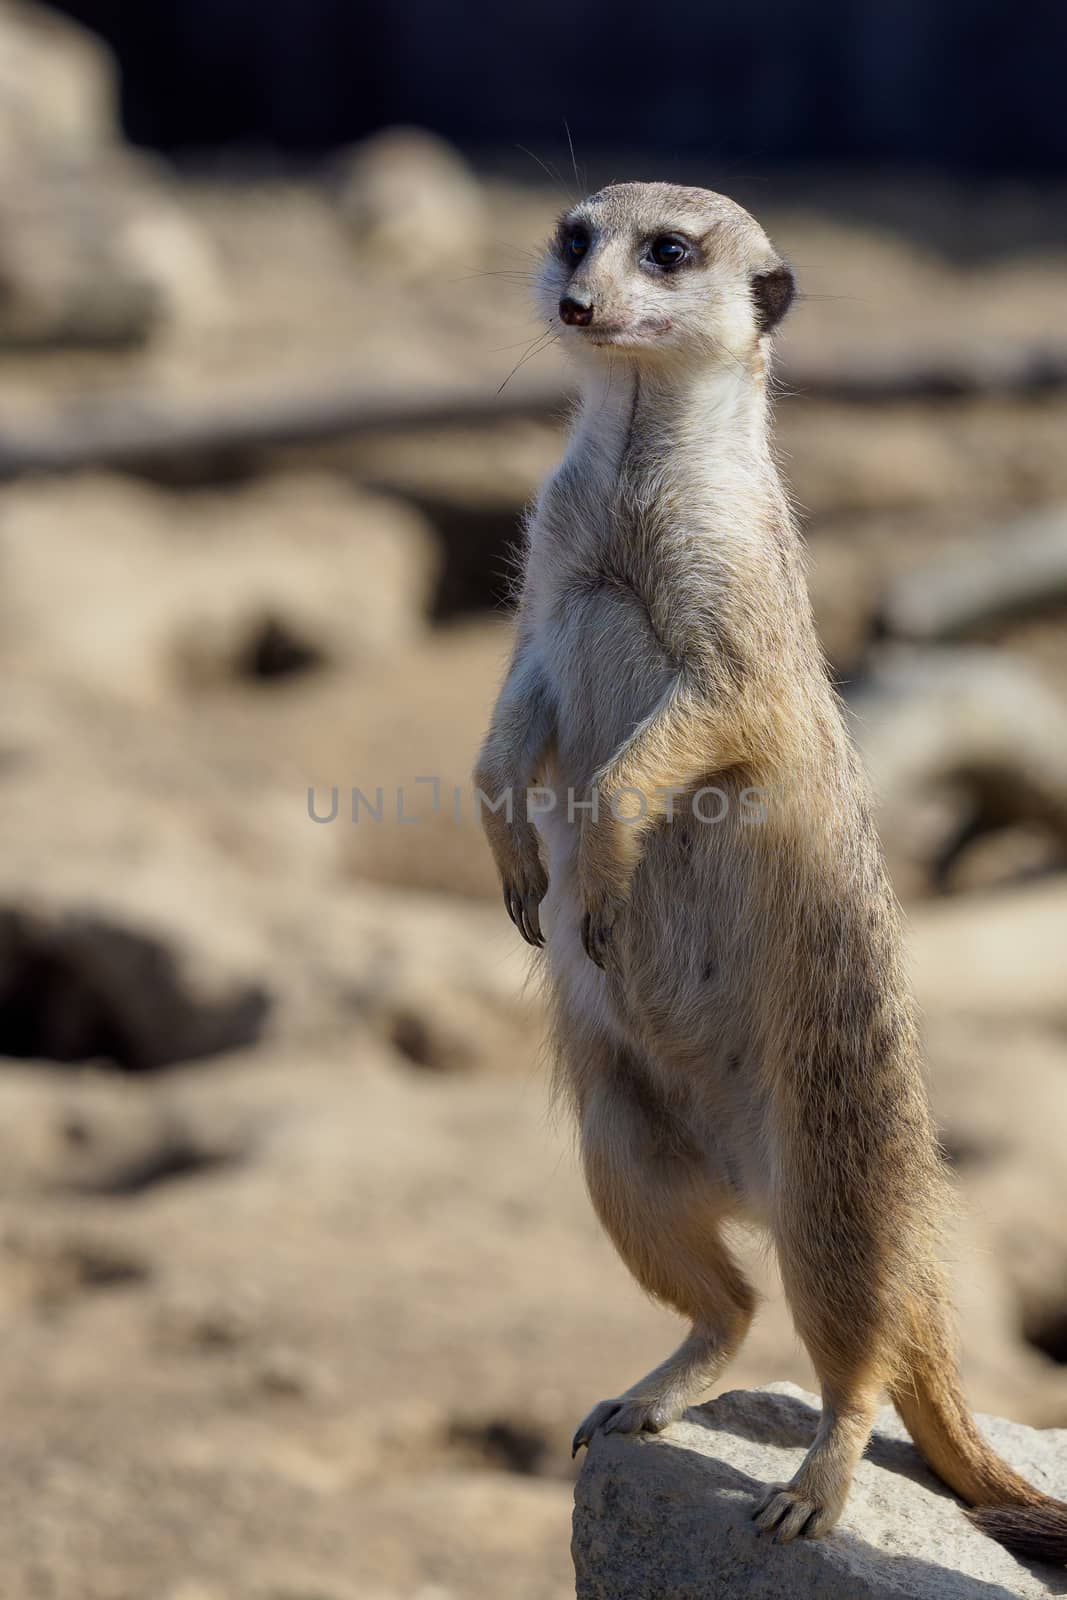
<point>668,251</point>
<point>575,244</point>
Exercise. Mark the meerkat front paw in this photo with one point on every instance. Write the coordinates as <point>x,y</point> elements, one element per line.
<point>523,879</point>
<point>523,902</point>
<point>597,928</point>
<point>605,873</point>
<point>623,1416</point>
<point>525,886</point>
<point>604,904</point>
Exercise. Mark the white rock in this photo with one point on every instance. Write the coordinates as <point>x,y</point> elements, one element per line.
<point>669,1517</point>
<point>946,734</point>
<point>412,203</point>
<point>96,247</point>
<point>141,592</point>
<point>58,87</point>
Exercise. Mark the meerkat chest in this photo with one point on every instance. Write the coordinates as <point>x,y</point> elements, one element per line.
<point>606,658</point>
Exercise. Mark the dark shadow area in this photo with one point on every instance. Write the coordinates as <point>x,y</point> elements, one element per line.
<point>175,1158</point>
<point>62,1270</point>
<point>82,989</point>
<point>786,1421</point>
<point>907,1575</point>
<point>972,87</point>
<point>277,650</point>
<point>1045,1329</point>
<point>503,1445</point>
<point>477,573</point>
<point>791,1422</point>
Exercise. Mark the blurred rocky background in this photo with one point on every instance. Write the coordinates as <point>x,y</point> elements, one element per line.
<point>301,1294</point>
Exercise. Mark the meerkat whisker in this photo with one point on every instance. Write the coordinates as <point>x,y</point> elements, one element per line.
<point>574,163</point>
<point>500,349</point>
<point>550,172</point>
<point>537,346</point>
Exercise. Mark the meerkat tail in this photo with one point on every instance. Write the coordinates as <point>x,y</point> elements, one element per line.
<point>1037,1533</point>
<point>929,1397</point>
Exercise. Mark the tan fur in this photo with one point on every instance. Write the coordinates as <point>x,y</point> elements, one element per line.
<point>739,1040</point>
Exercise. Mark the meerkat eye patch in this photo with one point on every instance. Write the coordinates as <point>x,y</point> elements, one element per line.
<point>573,242</point>
<point>772,295</point>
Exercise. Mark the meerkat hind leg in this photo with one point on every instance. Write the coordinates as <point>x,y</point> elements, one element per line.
<point>842,1330</point>
<point>663,1215</point>
<point>810,1504</point>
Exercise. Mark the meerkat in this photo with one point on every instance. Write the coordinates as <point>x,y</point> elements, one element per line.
<point>732,1017</point>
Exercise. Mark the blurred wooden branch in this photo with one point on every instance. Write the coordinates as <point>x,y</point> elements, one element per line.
<point>132,432</point>
<point>1005,370</point>
<point>959,743</point>
<point>1019,570</point>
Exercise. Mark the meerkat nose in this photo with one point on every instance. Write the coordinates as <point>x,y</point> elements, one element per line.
<point>574,313</point>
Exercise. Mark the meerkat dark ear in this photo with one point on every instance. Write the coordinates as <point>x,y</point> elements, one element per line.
<point>772,295</point>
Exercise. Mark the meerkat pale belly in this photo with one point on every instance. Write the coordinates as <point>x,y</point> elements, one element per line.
<point>606,673</point>
<point>733,1021</point>
<point>635,1007</point>
<point>605,668</point>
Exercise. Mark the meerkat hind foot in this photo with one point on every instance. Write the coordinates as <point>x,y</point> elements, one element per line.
<point>624,1415</point>
<point>790,1512</point>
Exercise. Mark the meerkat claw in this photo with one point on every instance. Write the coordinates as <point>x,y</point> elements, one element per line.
<point>596,936</point>
<point>524,911</point>
<point>512,907</point>
<point>622,1416</point>
<point>786,1515</point>
<point>587,940</point>
<point>594,1423</point>
<point>532,916</point>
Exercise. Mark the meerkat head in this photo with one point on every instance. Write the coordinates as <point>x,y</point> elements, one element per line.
<point>660,273</point>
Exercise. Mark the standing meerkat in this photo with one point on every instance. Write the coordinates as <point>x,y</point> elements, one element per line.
<point>733,1021</point>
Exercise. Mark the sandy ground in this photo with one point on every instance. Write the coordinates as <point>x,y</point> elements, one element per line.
<point>302,1295</point>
